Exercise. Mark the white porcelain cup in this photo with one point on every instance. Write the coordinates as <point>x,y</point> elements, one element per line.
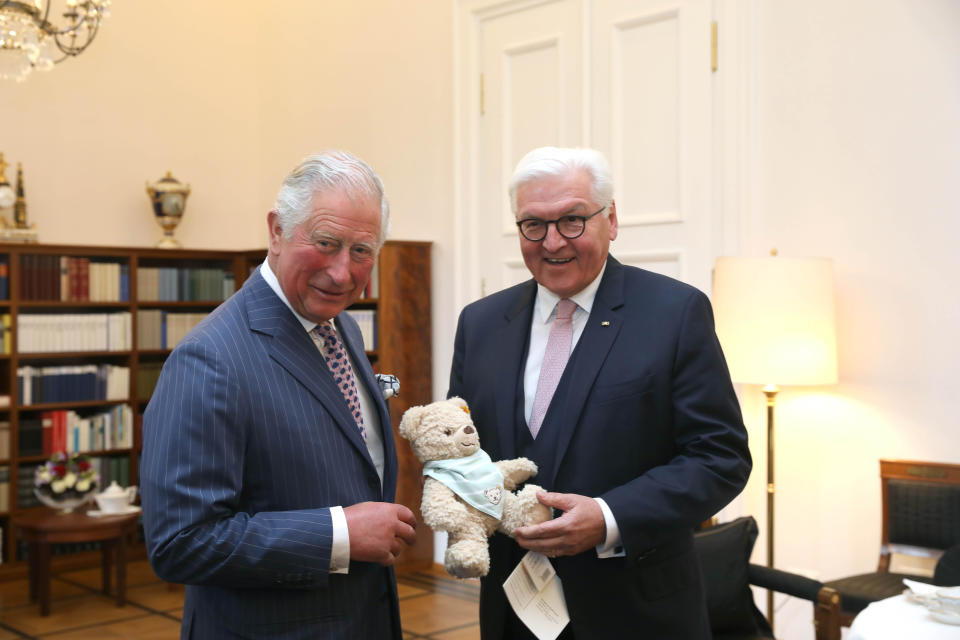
<point>948,601</point>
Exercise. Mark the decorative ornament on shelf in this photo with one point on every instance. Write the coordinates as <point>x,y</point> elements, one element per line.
<point>65,481</point>
<point>29,40</point>
<point>20,231</point>
<point>169,198</point>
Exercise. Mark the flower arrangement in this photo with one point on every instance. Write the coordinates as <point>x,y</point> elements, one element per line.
<point>65,479</point>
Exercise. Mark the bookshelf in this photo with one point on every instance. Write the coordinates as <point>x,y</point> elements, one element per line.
<point>86,330</point>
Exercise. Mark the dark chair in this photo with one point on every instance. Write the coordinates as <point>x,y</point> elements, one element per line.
<point>921,517</point>
<point>724,552</point>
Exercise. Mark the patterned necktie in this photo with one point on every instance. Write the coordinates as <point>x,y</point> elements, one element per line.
<point>554,360</point>
<point>339,365</point>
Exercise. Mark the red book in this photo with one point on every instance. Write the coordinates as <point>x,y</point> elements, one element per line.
<point>83,279</point>
<point>60,427</point>
<point>72,279</point>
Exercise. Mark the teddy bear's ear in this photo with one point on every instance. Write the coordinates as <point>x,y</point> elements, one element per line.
<point>459,402</point>
<point>410,421</point>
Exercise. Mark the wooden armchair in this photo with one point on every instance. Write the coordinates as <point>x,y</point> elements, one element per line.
<point>921,517</point>
<point>724,552</point>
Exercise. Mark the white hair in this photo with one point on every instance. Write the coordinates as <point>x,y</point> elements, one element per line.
<point>555,162</point>
<point>328,171</point>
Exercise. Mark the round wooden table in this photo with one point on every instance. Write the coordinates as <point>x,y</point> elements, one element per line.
<point>43,527</point>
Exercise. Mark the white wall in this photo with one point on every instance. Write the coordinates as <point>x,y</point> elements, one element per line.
<point>858,159</point>
<point>229,101</point>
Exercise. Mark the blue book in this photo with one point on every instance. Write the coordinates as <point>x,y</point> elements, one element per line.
<point>163,329</point>
<point>124,283</point>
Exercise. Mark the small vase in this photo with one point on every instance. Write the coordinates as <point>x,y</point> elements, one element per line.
<point>65,506</point>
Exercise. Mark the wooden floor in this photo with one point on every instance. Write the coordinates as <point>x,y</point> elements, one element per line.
<point>433,606</point>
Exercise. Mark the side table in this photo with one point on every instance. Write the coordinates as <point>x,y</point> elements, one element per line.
<point>41,528</point>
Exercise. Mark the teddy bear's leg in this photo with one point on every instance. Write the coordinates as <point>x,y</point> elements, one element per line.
<point>468,556</point>
<point>523,508</point>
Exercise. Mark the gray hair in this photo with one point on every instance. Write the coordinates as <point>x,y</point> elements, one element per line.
<point>555,162</point>
<point>328,171</point>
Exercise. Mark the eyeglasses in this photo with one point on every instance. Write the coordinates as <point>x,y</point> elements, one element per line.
<point>570,227</point>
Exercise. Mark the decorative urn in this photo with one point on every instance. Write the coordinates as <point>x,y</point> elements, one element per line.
<point>169,198</point>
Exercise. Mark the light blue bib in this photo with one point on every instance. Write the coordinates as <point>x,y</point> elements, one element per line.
<point>475,479</point>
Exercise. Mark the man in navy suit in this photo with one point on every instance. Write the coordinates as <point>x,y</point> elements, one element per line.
<point>642,437</point>
<point>269,470</point>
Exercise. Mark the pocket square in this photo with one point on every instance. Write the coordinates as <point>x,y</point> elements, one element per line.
<point>389,385</point>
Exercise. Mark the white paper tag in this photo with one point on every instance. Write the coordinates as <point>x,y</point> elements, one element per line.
<point>536,595</point>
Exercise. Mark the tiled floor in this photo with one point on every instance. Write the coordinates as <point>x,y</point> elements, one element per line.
<point>433,606</point>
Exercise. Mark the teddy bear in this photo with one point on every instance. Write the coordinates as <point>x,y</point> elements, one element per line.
<point>464,492</point>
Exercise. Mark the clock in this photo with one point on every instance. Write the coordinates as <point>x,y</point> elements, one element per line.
<point>7,195</point>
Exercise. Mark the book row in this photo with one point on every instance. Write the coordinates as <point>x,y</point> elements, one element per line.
<point>72,383</point>
<point>47,333</point>
<point>184,284</point>
<point>160,329</point>
<point>367,319</point>
<point>68,278</point>
<point>52,431</point>
<point>82,279</point>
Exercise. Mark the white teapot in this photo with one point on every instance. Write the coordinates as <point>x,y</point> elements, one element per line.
<point>116,499</point>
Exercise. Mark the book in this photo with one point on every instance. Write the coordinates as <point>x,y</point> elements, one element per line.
<point>4,280</point>
<point>4,439</point>
<point>46,421</point>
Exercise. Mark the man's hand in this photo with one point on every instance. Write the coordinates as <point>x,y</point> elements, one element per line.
<point>581,526</point>
<point>378,531</point>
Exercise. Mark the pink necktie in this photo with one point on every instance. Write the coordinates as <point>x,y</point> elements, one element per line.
<point>554,361</point>
<point>339,365</point>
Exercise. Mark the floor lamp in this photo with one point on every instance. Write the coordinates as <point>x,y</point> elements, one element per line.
<point>775,321</point>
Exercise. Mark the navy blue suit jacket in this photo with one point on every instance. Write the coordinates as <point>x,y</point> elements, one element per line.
<point>645,417</point>
<point>247,442</point>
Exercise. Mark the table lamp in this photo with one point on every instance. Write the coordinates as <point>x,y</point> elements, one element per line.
<point>775,321</point>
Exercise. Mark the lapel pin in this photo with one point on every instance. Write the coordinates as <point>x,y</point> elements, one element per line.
<point>605,323</point>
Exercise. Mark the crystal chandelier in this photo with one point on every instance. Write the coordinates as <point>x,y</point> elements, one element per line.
<point>29,40</point>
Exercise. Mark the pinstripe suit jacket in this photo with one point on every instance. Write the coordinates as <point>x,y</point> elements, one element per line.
<point>246,443</point>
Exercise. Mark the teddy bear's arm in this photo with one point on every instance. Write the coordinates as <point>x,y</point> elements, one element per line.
<point>516,471</point>
<point>440,508</point>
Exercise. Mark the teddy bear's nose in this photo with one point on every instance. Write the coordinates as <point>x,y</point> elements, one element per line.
<point>468,429</point>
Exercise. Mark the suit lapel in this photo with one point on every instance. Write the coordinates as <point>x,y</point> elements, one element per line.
<point>509,354</point>
<point>603,326</point>
<point>293,350</point>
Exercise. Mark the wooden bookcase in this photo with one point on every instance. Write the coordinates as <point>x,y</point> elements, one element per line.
<point>35,287</point>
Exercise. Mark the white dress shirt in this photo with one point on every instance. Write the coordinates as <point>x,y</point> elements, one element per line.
<point>544,313</point>
<point>340,547</point>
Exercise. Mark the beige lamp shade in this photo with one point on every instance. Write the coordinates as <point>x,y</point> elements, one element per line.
<point>775,319</point>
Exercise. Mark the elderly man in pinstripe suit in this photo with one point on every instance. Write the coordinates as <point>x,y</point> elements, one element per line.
<point>269,471</point>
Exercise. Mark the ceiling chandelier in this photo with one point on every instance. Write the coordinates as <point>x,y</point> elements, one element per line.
<point>29,40</point>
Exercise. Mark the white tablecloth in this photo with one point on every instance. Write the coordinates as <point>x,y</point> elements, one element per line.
<point>897,618</point>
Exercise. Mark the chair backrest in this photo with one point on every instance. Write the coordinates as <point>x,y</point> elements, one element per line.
<point>921,508</point>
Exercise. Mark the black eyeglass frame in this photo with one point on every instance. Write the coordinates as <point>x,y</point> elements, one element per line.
<point>555,223</point>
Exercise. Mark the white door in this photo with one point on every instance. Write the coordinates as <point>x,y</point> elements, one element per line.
<point>651,115</point>
<point>530,73</point>
<point>628,77</point>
